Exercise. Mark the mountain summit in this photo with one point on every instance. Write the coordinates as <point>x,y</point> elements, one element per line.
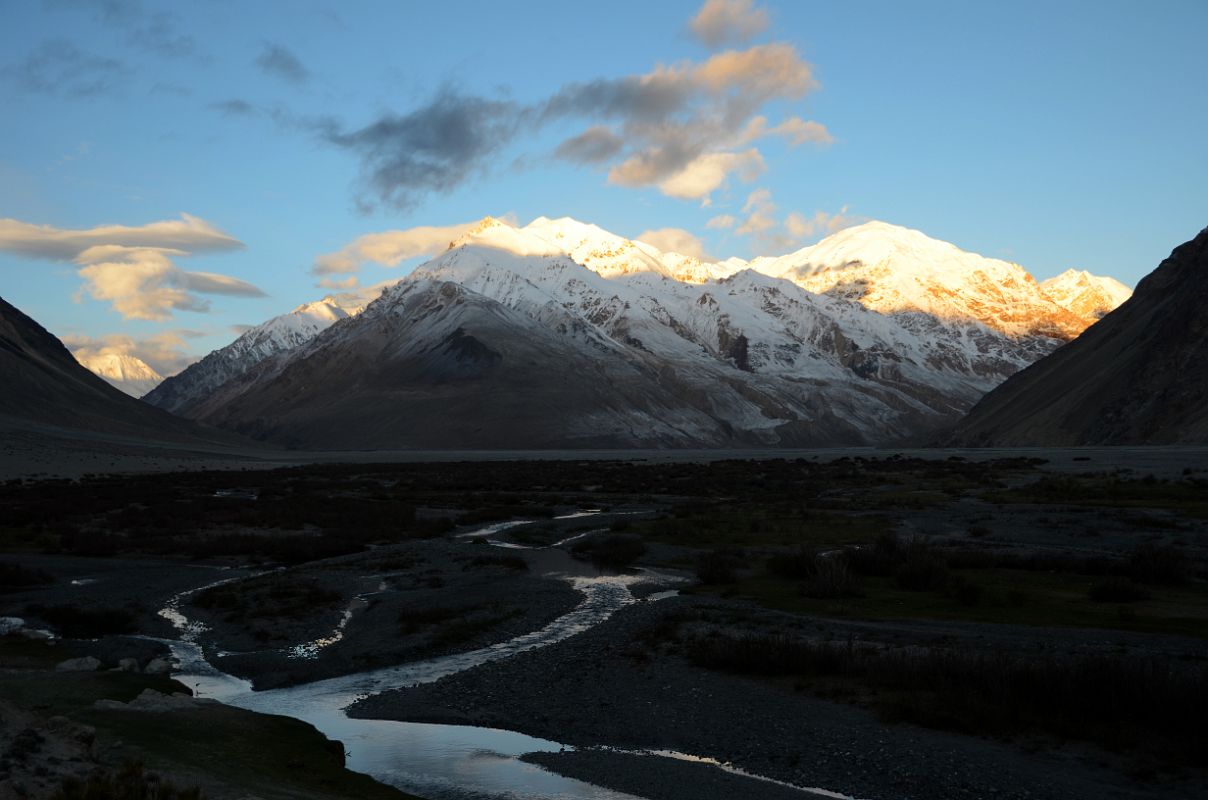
<point>561,334</point>
<point>1138,376</point>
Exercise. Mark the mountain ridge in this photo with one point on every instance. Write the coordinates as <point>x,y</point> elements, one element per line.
<point>1135,377</point>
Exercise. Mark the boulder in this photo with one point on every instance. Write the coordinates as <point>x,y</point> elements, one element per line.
<point>84,664</point>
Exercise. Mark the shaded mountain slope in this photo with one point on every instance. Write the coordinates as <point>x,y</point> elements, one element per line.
<point>44,384</point>
<point>434,364</point>
<point>1138,376</point>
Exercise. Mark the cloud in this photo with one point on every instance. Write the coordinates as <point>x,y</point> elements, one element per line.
<point>166,352</point>
<point>683,128</point>
<point>800,226</point>
<point>188,233</point>
<point>280,62</point>
<point>234,108</point>
<point>721,22</point>
<point>132,268</point>
<point>594,145</point>
<point>699,178</point>
<point>674,240</point>
<point>351,282</point>
<point>432,149</point>
<point>59,67</point>
<point>387,248</point>
<point>794,130</point>
<point>772,235</point>
<point>759,208</point>
<point>721,222</point>
<point>144,283</point>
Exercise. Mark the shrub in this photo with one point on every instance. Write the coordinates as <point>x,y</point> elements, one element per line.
<point>130,782</point>
<point>75,622</point>
<point>922,569</point>
<point>616,550</point>
<point>15,576</point>
<point>1117,590</point>
<point>1151,563</point>
<point>719,566</point>
<point>831,578</point>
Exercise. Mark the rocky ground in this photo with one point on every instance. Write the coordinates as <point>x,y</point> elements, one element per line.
<point>610,687</point>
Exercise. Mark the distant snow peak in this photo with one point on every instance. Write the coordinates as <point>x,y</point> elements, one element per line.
<point>1089,296</point>
<point>893,270</point>
<point>126,372</point>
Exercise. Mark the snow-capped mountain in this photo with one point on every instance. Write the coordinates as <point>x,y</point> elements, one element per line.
<point>284,332</point>
<point>903,272</point>
<point>562,334</point>
<point>1089,296</point>
<point>126,372</point>
<point>1137,377</point>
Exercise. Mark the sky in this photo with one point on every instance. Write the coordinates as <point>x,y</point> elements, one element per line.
<point>171,173</point>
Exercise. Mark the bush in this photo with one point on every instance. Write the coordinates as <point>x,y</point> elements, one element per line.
<point>75,622</point>
<point>1151,563</point>
<point>922,569</point>
<point>1117,590</point>
<point>130,782</point>
<point>719,566</point>
<point>616,550</point>
<point>15,576</point>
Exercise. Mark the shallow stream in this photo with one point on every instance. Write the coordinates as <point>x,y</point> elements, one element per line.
<point>441,762</point>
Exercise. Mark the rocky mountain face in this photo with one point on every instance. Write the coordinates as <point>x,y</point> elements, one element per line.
<point>560,334</point>
<point>45,385</point>
<point>1089,296</point>
<point>1138,376</point>
<point>122,371</point>
<point>279,334</point>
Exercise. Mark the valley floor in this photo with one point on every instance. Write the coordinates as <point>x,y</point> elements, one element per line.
<point>901,627</point>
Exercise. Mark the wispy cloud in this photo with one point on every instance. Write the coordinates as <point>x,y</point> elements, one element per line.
<point>432,149</point>
<point>281,62</point>
<point>188,233</point>
<point>723,22</point>
<point>688,128</point>
<point>771,234</point>
<point>57,66</point>
<point>674,240</point>
<point>133,268</point>
<point>388,248</point>
<point>234,108</point>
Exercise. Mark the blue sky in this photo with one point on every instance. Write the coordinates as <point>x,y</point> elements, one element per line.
<point>1055,134</point>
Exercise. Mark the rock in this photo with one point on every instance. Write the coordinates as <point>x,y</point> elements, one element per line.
<point>158,666</point>
<point>127,665</point>
<point>69,729</point>
<point>84,664</point>
<point>154,702</point>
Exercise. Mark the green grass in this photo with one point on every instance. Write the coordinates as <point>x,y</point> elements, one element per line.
<point>258,754</point>
<point>1187,498</point>
<point>754,526</point>
<point>1008,596</point>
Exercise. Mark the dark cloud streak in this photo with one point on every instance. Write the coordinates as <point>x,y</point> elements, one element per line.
<point>280,62</point>
<point>432,149</point>
<point>59,67</point>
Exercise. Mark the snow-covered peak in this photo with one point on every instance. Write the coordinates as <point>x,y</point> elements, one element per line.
<point>499,235</point>
<point>893,269</point>
<point>1089,296</point>
<point>126,372</point>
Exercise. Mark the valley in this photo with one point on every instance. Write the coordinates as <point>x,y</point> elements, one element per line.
<point>892,626</point>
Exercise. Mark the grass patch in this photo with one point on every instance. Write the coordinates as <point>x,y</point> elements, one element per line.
<point>1136,703</point>
<point>1003,596</point>
<point>79,622</point>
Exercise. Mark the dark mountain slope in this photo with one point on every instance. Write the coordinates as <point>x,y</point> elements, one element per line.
<point>1139,376</point>
<point>435,365</point>
<point>44,384</point>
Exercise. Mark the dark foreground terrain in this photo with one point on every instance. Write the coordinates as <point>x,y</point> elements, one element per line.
<point>884,628</point>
